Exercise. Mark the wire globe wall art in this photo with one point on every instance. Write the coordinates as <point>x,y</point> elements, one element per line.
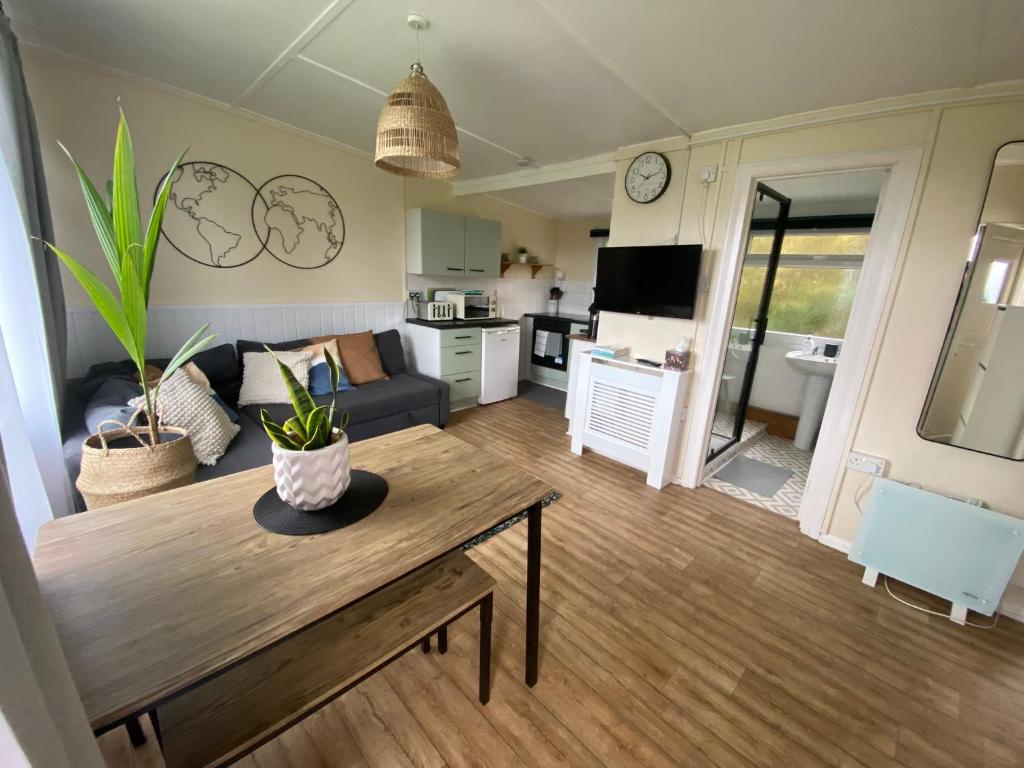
<point>218,218</point>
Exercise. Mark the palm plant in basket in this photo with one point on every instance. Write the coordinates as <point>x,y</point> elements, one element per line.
<point>311,463</point>
<point>131,256</point>
<point>144,465</point>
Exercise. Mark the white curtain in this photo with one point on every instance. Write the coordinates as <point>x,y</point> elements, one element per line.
<point>32,330</point>
<point>28,489</point>
<point>29,420</point>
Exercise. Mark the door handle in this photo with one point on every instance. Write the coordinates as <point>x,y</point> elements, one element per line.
<point>459,381</point>
<point>467,352</point>
<point>456,269</point>
<point>473,269</point>
<point>463,337</point>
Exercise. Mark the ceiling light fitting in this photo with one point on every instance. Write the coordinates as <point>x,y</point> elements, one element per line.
<point>416,134</point>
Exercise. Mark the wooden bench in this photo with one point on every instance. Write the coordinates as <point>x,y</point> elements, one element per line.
<point>235,712</point>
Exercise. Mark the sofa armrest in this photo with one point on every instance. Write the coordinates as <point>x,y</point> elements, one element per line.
<point>444,405</point>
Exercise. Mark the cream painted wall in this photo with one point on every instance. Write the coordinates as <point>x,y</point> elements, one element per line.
<point>78,105</point>
<point>575,249</point>
<point>656,223</point>
<point>950,193</point>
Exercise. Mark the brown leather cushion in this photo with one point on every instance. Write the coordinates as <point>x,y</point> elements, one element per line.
<point>359,356</point>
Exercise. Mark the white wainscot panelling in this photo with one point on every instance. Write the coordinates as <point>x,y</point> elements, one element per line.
<point>90,341</point>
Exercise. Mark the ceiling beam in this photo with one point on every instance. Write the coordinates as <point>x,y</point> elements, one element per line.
<point>326,16</point>
<point>573,169</point>
<point>597,55</point>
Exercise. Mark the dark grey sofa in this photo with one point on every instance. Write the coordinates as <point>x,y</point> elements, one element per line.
<point>406,399</point>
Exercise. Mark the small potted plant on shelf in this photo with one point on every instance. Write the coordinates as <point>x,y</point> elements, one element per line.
<point>523,254</point>
<point>311,463</point>
<point>130,461</point>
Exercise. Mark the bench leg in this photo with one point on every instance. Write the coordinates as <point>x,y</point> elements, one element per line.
<point>442,639</point>
<point>486,615</point>
<point>532,592</point>
<point>425,644</point>
<point>135,733</point>
<point>154,720</point>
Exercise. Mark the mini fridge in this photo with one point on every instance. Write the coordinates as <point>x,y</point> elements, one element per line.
<point>499,363</point>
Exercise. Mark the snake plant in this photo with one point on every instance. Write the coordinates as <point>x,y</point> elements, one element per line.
<point>131,255</point>
<point>311,427</point>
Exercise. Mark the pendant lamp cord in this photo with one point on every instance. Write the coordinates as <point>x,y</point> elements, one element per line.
<point>418,47</point>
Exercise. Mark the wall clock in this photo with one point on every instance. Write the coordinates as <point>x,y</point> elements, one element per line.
<point>647,177</point>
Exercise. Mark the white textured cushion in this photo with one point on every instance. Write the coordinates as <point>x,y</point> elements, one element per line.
<point>185,403</point>
<point>261,378</point>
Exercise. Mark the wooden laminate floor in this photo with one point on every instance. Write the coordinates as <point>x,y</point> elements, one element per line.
<point>679,628</point>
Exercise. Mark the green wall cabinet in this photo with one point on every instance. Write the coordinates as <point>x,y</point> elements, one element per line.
<point>446,244</point>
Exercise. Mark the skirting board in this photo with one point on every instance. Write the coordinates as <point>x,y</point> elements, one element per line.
<point>1012,605</point>
<point>835,542</point>
<point>90,341</point>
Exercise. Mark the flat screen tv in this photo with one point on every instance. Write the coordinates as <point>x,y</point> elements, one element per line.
<point>648,280</point>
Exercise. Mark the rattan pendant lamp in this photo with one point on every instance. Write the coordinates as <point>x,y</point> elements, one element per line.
<point>415,133</point>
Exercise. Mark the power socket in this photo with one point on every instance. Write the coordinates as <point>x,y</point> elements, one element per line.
<point>708,174</point>
<point>869,465</point>
<point>415,295</point>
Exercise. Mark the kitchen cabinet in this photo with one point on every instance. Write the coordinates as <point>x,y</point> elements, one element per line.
<point>447,244</point>
<point>483,247</point>
<point>451,354</point>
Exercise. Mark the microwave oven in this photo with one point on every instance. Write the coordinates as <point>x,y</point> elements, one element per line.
<point>469,306</point>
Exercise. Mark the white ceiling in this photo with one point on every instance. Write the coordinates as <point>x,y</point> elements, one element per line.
<point>554,80</point>
<point>585,198</point>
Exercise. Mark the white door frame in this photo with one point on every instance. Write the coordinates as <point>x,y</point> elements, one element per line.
<point>880,258</point>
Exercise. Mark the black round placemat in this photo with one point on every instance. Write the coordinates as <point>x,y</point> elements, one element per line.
<point>365,493</point>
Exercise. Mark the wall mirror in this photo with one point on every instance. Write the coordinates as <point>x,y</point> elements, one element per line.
<point>976,399</point>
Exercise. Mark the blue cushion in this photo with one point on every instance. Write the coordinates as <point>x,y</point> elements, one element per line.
<point>320,380</point>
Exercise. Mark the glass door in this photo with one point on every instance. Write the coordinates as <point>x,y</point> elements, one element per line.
<point>771,211</point>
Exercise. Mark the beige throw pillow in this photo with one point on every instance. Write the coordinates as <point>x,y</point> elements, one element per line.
<point>187,404</point>
<point>261,378</point>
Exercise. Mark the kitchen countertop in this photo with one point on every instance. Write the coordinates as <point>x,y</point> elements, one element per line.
<point>551,316</point>
<point>473,322</point>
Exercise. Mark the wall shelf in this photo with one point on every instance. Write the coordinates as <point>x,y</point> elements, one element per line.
<point>534,268</point>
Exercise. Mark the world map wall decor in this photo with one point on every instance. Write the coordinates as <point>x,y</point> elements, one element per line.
<point>217,217</point>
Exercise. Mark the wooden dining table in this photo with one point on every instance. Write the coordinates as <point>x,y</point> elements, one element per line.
<point>154,596</point>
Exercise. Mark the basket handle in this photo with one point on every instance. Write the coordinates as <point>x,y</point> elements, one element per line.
<point>126,427</point>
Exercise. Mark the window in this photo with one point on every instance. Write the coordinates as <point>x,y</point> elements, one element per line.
<point>814,285</point>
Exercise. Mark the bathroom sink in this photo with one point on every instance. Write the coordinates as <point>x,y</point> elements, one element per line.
<point>813,365</point>
<point>819,371</point>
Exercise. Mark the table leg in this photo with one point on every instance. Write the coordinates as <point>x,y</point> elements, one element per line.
<point>135,733</point>
<point>533,516</point>
<point>442,639</point>
<point>486,614</point>
<point>425,644</point>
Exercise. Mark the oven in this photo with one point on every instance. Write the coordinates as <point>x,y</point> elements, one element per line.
<point>551,342</point>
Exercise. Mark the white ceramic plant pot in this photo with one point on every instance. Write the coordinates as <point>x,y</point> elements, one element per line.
<point>312,480</point>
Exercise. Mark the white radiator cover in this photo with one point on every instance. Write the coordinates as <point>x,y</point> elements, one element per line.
<point>631,413</point>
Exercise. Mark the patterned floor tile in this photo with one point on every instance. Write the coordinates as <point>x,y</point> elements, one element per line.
<point>781,453</point>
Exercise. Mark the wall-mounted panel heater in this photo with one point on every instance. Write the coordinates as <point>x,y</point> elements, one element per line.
<point>963,553</point>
